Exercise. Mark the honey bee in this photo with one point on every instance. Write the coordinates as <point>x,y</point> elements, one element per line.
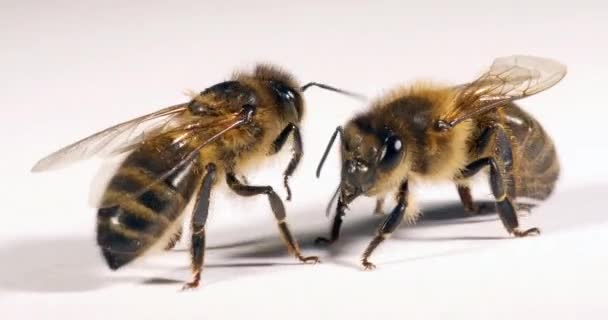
<point>176,154</point>
<point>427,133</point>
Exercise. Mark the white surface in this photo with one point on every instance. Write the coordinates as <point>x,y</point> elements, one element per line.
<point>69,70</point>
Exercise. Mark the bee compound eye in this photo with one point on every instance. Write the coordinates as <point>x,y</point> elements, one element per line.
<point>392,152</point>
<point>396,145</point>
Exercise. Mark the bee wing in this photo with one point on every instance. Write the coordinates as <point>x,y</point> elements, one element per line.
<point>183,149</point>
<point>114,140</point>
<point>509,79</point>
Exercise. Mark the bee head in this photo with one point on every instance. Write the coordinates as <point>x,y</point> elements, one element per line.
<point>289,100</point>
<point>284,89</point>
<point>368,154</point>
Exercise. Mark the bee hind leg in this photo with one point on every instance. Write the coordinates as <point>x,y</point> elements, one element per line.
<point>277,209</point>
<point>498,170</point>
<point>199,218</point>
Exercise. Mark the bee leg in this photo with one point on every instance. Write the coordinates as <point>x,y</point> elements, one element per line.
<point>467,200</point>
<point>199,218</point>
<point>298,151</point>
<point>277,209</point>
<point>388,226</point>
<point>335,227</point>
<point>174,239</point>
<point>504,205</point>
<point>468,204</point>
<point>378,210</point>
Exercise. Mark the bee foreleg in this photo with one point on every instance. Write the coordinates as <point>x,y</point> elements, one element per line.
<point>277,209</point>
<point>298,150</point>
<point>388,226</point>
<point>199,218</point>
<point>336,225</point>
<point>498,170</point>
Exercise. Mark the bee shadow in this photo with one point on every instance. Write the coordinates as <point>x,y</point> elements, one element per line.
<point>554,215</point>
<point>362,225</point>
<point>59,265</point>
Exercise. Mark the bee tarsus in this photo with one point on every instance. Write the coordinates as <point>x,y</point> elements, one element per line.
<point>192,284</point>
<point>530,232</point>
<point>368,266</point>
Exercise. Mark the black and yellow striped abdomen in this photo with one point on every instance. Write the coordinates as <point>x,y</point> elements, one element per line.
<point>130,222</point>
<point>535,161</point>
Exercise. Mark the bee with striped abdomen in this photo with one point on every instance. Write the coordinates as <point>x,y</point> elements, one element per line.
<point>426,133</point>
<point>178,153</point>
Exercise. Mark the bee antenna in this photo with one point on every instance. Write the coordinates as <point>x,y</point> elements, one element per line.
<point>354,95</point>
<point>331,142</point>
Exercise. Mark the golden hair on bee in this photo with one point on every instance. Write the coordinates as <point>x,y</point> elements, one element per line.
<point>435,154</point>
<point>428,132</point>
<point>439,95</point>
<point>270,72</point>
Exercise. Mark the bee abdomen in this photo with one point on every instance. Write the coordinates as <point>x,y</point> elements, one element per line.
<point>539,167</point>
<point>537,163</point>
<point>131,221</point>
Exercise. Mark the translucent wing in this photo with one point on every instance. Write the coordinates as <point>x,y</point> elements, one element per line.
<point>509,78</point>
<point>180,148</point>
<point>116,139</point>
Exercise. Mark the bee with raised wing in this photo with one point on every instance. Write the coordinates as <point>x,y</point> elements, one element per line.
<point>426,133</point>
<point>177,154</point>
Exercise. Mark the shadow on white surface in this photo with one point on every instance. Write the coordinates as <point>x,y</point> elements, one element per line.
<point>226,271</point>
<point>360,226</point>
<point>440,226</point>
<point>59,264</point>
<point>74,264</point>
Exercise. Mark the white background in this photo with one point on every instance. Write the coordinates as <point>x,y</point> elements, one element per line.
<point>68,69</point>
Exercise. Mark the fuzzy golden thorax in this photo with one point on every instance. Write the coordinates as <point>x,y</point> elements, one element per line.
<point>277,101</point>
<point>396,140</point>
